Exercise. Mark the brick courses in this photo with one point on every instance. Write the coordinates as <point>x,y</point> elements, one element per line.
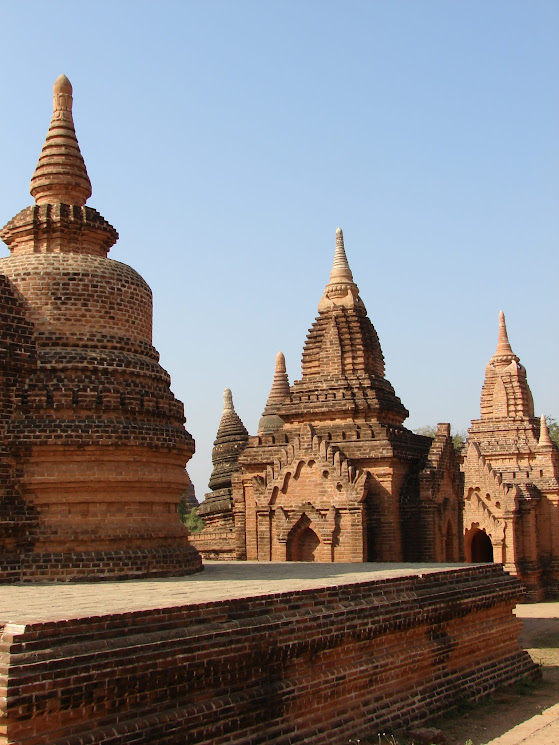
<point>95,444</point>
<point>317,666</point>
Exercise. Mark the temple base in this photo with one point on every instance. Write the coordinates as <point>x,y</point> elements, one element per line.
<point>96,566</point>
<point>244,653</point>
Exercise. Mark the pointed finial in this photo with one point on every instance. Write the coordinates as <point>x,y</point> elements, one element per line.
<point>228,400</point>
<point>503,346</point>
<point>341,289</point>
<point>279,393</point>
<point>340,268</point>
<point>61,175</point>
<point>280,385</point>
<point>545,440</point>
<point>280,362</point>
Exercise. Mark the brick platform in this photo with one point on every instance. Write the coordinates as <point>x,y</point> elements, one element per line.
<point>246,654</point>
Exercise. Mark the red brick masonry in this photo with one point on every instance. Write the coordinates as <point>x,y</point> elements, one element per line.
<point>316,665</point>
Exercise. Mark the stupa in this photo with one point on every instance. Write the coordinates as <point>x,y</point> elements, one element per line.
<point>93,441</point>
<point>333,475</point>
<point>511,469</point>
<point>218,539</point>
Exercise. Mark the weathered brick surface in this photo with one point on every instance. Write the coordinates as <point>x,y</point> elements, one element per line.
<point>312,666</point>
<point>94,440</point>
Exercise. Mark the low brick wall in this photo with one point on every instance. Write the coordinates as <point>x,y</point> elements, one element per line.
<point>309,666</point>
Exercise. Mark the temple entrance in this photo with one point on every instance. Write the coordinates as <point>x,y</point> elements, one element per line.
<point>481,547</point>
<point>302,545</point>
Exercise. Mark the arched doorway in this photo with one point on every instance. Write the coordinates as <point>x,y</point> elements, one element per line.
<point>481,547</point>
<point>302,545</point>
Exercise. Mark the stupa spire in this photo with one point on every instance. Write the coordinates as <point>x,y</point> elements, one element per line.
<point>228,401</point>
<point>341,289</point>
<point>340,268</point>
<point>504,348</point>
<point>545,441</point>
<point>229,443</point>
<point>279,393</point>
<point>61,175</point>
<point>280,385</point>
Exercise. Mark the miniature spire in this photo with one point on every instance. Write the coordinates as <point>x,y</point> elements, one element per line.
<point>545,440</point>
<point>340,268</point>
<point>503,345</point>
<point>280,385</point>
<point>279,392</point>
<point>61,175</point>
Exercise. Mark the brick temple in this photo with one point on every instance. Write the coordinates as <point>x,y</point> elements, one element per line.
<point>333,475</point>
<point>93,444</point>
<point>511,469</point>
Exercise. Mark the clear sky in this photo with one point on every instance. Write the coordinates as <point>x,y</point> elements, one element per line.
<point>226,140</point>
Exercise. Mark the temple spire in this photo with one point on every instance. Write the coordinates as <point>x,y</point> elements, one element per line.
<point>340,268</point>
<point>503,345</point>
<point>228,401</point>
<point>229,443</point>
<point>545,441</point>
<point>279,394</point>
<point>61,175</point>
<point>341,290</point>
<point>280,385</point>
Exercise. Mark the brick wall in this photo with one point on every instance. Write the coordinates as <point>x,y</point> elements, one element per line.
<point>316,666</point>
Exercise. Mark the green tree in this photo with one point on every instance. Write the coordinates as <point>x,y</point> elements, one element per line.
<point>189,516</point>
<point>553,428</point>
<point>458,438</point>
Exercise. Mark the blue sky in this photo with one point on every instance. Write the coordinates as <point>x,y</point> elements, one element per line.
<point>227,140</point>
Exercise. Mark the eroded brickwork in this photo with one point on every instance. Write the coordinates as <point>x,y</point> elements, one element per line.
<point>94,440</point>
<point>317,666</point>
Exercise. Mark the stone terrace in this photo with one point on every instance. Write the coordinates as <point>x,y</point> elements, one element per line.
<point>220,580</point>
<point>254,653</point>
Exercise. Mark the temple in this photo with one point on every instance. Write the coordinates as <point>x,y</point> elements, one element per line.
<point>332,474</point>
<point>511,471</point>
<point>92,463</point>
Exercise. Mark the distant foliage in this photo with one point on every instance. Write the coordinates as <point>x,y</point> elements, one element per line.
<point>553,428</point>
<point>193,522</point>
<point>189,517</point>
<point>458,438</point>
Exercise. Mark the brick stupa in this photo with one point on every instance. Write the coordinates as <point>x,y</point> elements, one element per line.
<point>93,441</point>
<point>511,470</point>
<point>333,475</point>
<point>218,539</point>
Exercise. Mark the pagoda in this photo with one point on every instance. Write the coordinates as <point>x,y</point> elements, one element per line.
<point>511,470</point>
<point>218,538</point>
<point>93,453</point>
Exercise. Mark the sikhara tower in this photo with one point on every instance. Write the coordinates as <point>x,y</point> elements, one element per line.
<point>93,447</point>
<point>332,474</point>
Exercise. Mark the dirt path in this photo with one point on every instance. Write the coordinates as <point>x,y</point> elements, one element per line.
<point>507,708</point>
